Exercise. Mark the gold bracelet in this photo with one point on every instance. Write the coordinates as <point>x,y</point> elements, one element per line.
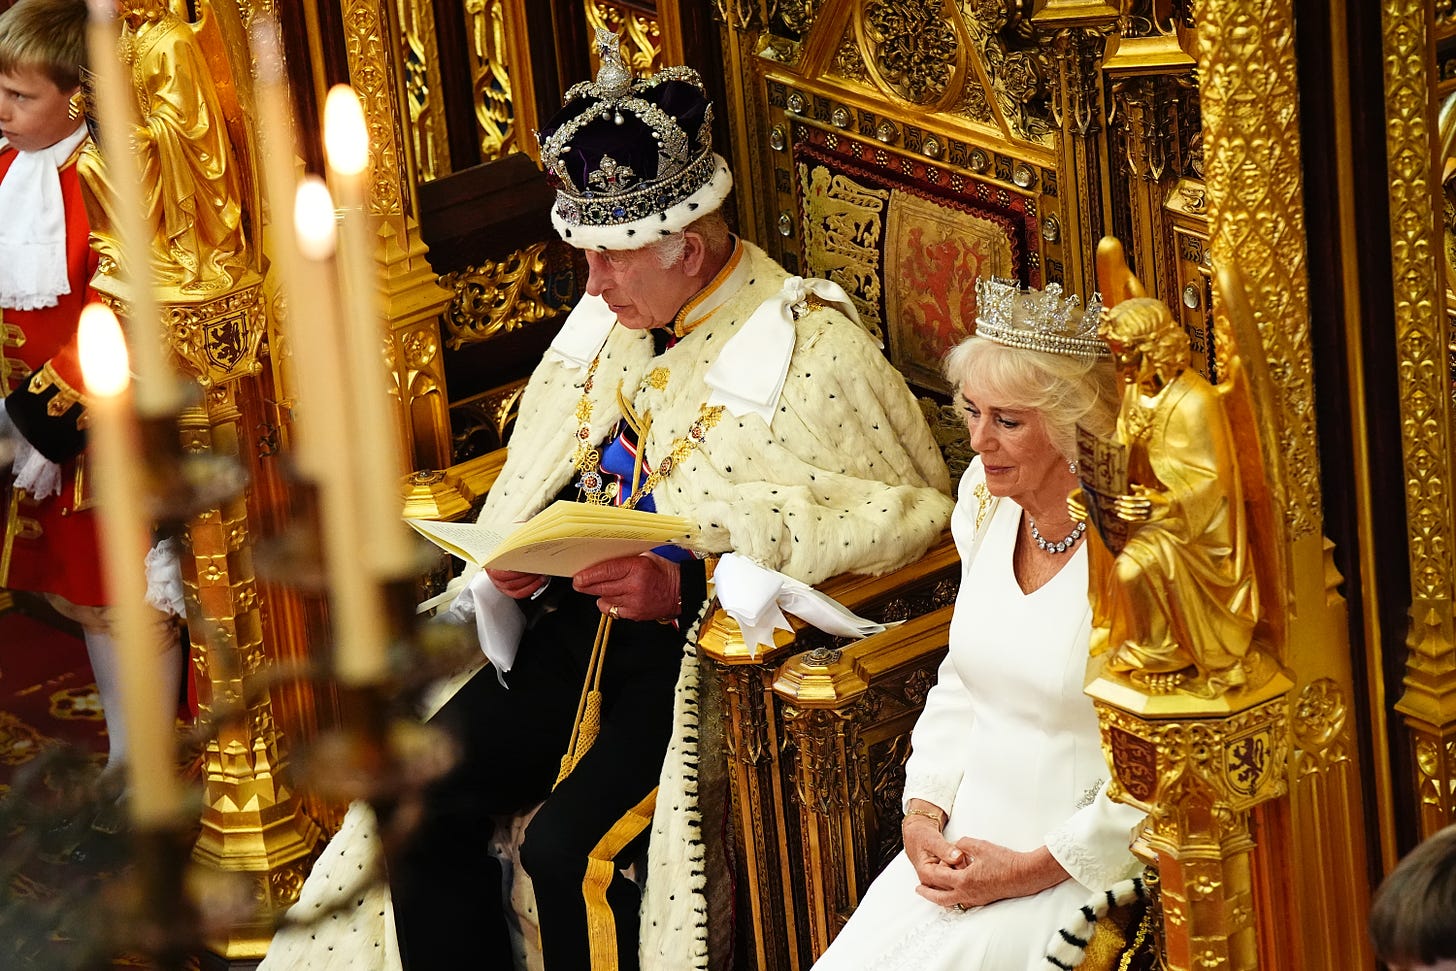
<point>939,817</point>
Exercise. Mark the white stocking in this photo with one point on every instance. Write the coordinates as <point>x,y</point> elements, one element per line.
<point>102,651</point>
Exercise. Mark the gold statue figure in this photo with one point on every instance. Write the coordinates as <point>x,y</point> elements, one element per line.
<point>190,175</point>
<point>1177,598</point>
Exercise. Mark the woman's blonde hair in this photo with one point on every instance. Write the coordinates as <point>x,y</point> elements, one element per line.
<point>48,36</point>
<point>1066,391</point>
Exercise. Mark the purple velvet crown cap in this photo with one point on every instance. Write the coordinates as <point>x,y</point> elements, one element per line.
<point>631,160</point>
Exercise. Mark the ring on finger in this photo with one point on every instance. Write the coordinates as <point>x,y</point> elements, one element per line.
<point>959,908</point>
<point>615,611</point>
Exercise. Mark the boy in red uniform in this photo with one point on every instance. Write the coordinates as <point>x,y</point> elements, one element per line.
<point>46,263</point>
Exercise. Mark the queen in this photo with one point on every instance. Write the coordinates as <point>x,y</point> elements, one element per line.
<point>1007,826</point>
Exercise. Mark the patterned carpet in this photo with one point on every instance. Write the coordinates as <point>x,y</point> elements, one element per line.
<point>61,859</point>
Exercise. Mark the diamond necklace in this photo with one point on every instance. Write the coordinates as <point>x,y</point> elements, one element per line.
<point>1062,546</point>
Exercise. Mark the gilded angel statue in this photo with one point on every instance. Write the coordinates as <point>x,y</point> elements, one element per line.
<point>1188,583</point>
<point>192,195</point>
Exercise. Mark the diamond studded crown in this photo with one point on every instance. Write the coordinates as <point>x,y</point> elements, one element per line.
<point>1038,320</point>
<point>624,149</point>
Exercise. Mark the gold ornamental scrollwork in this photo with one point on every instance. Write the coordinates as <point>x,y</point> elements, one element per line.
<point>1422,334</point>
<point>641,33</point>
<point>825,747</point>
<point>422,88</point>
<point>490,72</point>
<point>1076,103</point>
<point>1017,77</point>
<point>1250,100</point>
<point>740,15</point>
<point>219,340</point>
<point>1320,716</point>
<point>797,16</point>
<point>914,48</point>
<point>498,296</point>
<point>849,61</point>
<point>371,71</point>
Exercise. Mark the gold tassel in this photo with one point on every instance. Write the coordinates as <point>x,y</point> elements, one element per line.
<point>588,722</point>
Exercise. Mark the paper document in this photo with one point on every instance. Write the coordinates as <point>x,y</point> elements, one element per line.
<point>561,540</point>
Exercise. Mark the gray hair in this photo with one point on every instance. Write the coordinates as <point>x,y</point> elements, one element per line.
<point>711,228</point>
<point>1065,391</point>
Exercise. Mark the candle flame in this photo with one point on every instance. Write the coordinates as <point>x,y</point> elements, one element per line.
<point>313,218</point>
<point>346,136</point>
<point>104,360</point>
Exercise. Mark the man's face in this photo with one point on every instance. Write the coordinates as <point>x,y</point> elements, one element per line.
<point>34,113</point>
<point>639,289</point>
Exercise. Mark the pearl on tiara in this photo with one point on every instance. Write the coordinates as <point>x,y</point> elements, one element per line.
<point>1038,320</point>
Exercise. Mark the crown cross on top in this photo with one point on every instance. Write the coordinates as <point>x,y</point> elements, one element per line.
<point>614,77</point>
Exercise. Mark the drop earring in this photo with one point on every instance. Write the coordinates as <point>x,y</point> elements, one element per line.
<point>1072,467</point>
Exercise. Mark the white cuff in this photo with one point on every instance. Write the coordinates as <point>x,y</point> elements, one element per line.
<point>35,473</point>
<point>756,597</point>
<point>499,623</point>
<point>164,578</point>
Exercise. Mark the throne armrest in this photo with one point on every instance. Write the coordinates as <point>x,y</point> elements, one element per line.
<point>802,855</point>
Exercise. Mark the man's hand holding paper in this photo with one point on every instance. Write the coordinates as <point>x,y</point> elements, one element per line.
<point>646,587</point>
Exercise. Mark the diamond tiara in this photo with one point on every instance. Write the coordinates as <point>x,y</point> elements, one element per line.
<point>1038,320</point>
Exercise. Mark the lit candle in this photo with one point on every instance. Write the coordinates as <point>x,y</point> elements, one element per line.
<point>158,389</point>
<point>355,607</point>
<point>385,541</point>
<point>155,797</point>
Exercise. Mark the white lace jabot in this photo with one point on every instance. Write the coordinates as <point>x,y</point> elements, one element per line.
<point>33,233</point>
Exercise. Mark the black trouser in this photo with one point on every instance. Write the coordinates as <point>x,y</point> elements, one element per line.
<point>512,742</point>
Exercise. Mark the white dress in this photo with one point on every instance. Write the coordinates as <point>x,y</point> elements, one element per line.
<point>1008,744</point>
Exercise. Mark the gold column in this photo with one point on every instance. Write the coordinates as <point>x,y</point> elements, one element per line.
<point>411,298</point>
<point>743,110</point>
<point>251,821</point>
<point>1423,334</point>
<point>1311,860</point>
<point>1198,770</point>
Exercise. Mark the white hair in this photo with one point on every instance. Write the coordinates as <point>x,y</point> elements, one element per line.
<point>669,249</point>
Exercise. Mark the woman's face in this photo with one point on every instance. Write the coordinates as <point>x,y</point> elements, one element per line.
<point>1012,441</point>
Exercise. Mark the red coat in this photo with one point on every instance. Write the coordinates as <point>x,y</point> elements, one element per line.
<point>52,544</point>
